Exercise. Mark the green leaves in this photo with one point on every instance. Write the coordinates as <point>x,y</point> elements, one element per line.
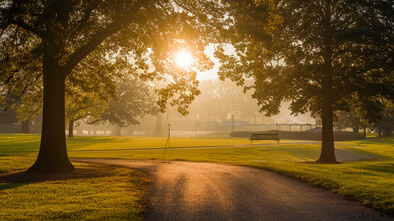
<point>79,35</point>
<point>289,47</point>
<point>134,99</point>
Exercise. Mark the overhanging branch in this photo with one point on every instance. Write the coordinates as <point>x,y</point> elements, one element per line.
<point>121,22</point>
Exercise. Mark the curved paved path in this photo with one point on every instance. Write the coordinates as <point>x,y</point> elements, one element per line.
<point>210,191</point>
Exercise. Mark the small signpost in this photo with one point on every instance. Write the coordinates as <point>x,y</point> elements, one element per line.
<point>168,140</point>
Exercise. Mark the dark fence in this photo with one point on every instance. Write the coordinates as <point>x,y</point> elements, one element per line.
<point>10,128</point>
<point>301,135</point>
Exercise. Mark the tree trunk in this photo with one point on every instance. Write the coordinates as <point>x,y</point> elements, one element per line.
<point>71,128</point>
<point>356,129</point>
<point>26,126</point>
<point>117,131</point>
<point>159,126</point>
<point>232,122</point>
<point>327,154</point>
<point>52,156</point>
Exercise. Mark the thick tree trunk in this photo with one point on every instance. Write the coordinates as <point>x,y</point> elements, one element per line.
<point>52,156</point>
<point>71,128</point>
<point>327,154</point>
<point>26,126</point>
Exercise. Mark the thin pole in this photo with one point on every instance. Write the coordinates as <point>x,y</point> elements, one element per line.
<point>168,140</point>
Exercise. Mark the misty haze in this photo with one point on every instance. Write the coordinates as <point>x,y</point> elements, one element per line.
<point>196,110</point>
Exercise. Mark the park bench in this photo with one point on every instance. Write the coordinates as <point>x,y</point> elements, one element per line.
<point>264,137</point>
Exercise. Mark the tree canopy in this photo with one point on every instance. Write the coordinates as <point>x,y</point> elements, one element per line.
<point>49,40</point>
<point>321,55</point>
<point>134,99</point>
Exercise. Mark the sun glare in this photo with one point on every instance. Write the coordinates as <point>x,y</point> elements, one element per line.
<point>184,59</point>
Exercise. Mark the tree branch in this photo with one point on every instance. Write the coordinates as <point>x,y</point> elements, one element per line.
<point>121,22</point>
<point>88,12</point>
<point>14,19</point>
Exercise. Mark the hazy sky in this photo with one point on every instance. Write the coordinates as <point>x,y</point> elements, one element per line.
<point>212,74</point>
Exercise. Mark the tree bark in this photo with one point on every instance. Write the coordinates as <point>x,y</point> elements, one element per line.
<point>356,128</point>
<point>327,154</point>
<point>26,126</point>
<point>71,128</point>
<point>52,156</point>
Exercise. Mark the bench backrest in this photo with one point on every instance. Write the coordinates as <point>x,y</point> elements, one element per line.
<point>264,136</point>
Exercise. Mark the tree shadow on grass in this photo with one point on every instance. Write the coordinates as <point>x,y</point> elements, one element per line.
<point>15,179</point>
<point>319,163</point>
<point>4,186</point>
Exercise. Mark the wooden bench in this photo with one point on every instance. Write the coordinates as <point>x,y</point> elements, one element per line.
<point>264,137</point>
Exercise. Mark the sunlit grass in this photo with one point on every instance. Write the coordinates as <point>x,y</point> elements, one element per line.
<point>102,143</point>
<point>15,163</point>
<point>369,182</point>
<point>285,153</point>
<point>21,143</point>
<point>18,143</point>
<point>92,192</point>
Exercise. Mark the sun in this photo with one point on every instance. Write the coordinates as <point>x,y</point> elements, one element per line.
<point>184,59</point>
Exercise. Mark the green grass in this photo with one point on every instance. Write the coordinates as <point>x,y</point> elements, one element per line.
<point>91,192</point>
<point>369,182</point>
<point>24,144</point>
<point>374,135</point>
<point>19,144</point>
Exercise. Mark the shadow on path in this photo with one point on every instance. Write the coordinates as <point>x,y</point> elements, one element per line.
<point>210,191</point>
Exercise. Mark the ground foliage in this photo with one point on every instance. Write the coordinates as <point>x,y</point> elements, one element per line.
<point>368,181</point>
<point>84,192</point>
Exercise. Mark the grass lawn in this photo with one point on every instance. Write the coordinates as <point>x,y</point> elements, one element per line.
<point>369,182</point>
<point>29,143</point>
<point>91,192</point>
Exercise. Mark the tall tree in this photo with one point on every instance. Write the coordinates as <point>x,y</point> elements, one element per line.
<point>51,38</point>
<point>134,99</point>
<point>81,104</point>
<point>318,54</point>
<point>220,99</point>
<point>385,126</point>
<point>89,88</point>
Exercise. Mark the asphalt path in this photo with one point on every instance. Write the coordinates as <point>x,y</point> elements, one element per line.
<point>211,191</point>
